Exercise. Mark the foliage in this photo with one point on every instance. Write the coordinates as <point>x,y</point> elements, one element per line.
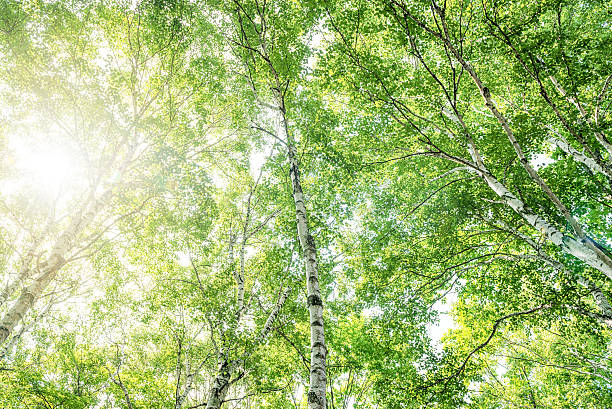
<point>455,160</point>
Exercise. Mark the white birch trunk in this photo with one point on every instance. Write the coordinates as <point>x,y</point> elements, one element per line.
<point>583,249</point>
<point>486,95</point>
<point>318,350</point>
<point>188,386</point>
<point>580,157</point>
<point>28,296</point>
<point>602,302</point>
<point>601,138</point>
<point>24,271</point>
<point>261,338</point>
<point>576,248</point>
<point>48,270</point>
<point>221,383</point>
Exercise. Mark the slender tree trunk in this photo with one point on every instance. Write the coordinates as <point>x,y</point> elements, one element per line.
<point>568,244</point>
<point>600,136</point>
<point>50,268</point>
<point>221,384</point>
<point>582,248</point>
<point>265,331</point>
<point>318,350</point>
<point>581,157</point>
<point>188,386</point>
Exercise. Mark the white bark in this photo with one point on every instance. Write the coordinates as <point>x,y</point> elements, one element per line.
<point>183,396</point>
<point>583,249</point>
<point>24,271</point>
<point>180,400</point>
<point>578,249</point>
<point>221,383</point>
<point>318,350</point>
<point>49,269</point>
<point>601,138</point>
<point>261,338</point>
<point>27,298</point>
<point>579,156</point>
<point>486,95</point>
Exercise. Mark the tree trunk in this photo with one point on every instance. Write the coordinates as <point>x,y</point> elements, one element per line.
<point>318,350</point>
<point>49,269</point>
<point>24,271</point>
<point>221,384</point>
<point>568,244</point>
<point>581,157</point>
<point>582,249</point>
<point>27,298</point>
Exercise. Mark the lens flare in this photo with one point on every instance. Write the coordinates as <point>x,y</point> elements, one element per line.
<point>50,167</point>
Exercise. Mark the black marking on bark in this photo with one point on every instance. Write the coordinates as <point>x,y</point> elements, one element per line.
<point>319,344</point>
<point>296,174</point>
<point>314,300</point>
<point>316,323</point>
<point>314,398</point>
<point>310,241</point>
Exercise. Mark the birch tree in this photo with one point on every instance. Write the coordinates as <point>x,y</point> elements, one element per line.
<point>467,99</point>
<point>443,33</point>
<point>450,158</point>
<point>271,67</point>
<point>105,109</point>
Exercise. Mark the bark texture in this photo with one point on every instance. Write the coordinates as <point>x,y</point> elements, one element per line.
<point>223,379</point>
<point>318,350</point>
<point>24,271</point>
<point>580,157</point>
<point>221,384</point>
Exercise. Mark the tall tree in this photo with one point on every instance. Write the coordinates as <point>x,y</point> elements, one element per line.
<point>104,81</point>
<point>268,42</point>
<point>468,98</point>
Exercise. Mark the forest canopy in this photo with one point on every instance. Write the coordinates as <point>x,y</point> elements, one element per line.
<point>305,204</point>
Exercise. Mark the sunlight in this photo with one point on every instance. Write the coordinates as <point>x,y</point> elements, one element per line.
<point>51,167</point>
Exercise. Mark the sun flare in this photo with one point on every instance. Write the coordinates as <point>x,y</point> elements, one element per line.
<point>49,166</point>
